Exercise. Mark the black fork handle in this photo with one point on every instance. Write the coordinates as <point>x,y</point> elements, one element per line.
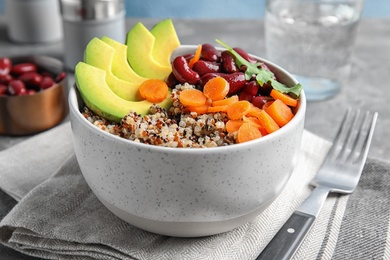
<point>286,242</point>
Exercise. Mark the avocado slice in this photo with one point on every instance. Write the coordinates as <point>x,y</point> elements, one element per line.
<point>120,67</point>
<point>101,55</point>
<point>140,44</point>
<point>98,96</point>
<point>166,41</point>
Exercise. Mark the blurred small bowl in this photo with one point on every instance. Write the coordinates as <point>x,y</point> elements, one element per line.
<point>30,114</point>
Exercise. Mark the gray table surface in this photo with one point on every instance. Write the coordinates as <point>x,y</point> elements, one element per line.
<point>368,86</point>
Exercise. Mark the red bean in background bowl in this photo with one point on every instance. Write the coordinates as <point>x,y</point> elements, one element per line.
<point>5,66</point>
<point>20,68</point>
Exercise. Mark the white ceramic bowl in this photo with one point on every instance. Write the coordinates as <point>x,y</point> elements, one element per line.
<point>186,192</point>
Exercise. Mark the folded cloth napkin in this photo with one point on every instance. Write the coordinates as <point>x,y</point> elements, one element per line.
<point>29,163</point>
<point>62,219</point>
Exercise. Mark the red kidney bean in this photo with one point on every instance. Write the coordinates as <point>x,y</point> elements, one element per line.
<point>183,72</point>
<point>236,80</point>
<point>16,87</point>
<point>31,79</point>
<point>5,79</point>
<point>30,92</point>
<point>172,81</point>
<point>188,56</point>
<point>206,77</point>
<point>245,96</point>
<point>245,55</point>
<point>251,87</point>
<point>61,76</point>
<point>47,74</point>
<point>204,67</point>
<point>249,91</point>
<point>265,89</point>
<point>243,68</point>
<point>5,66</point>
<point>47,82</point>
<point>259,101</point>
<point>3,90</point>
<point>210,53</point>
<point>21,68</point>
<point>228,62</point>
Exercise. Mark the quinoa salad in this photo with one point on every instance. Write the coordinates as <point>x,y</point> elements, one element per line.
<point>210,98</point>
<point>177,127</point>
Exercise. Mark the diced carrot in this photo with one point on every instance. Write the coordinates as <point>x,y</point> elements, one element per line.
<point>216,109</point>
<point>267,122</point>
<point>196,56</point>
<point>267,104</point>
<point>192,98</point>
<point>208,101</point>
<point>153,90</point>
<point>216,88</point>
<point>226,102</point>
<point>280,112</point>
<point>247,132</point>
<point>239,109</point>
<point>254,111</point>
<point>256,122</point>
<point>233,125</point>
<point>289,101</point>
<point>263,131</point>
<point>252,120</point>
<point>199,109</point>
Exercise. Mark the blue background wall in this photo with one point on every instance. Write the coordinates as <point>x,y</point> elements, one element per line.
<point>212,8</point>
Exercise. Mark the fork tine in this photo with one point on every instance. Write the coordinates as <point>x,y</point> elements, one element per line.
<point>362,132</point>
<point>353,137</point>
<point>360,138</point>
<point>360,150</point>
<point>351,134</point>
<point>340,136</point>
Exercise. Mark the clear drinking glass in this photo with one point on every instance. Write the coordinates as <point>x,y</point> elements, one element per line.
<point>313,40</point>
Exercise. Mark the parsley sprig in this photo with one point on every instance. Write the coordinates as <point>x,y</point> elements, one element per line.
<point>262,75</point>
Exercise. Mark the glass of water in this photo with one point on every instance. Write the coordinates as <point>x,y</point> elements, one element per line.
<point>313,40</point>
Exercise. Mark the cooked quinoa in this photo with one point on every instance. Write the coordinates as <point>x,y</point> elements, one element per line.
<point>176,127</point>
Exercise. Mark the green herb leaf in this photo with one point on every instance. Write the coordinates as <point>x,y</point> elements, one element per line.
<point>295,90</point>
<point>239,59</point>
<point>262,75</point>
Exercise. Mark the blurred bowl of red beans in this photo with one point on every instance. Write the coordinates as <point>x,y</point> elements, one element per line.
<point>33,94</point>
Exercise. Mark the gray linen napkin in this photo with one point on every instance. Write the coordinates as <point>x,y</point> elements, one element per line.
<point>29,163</point>
<point>62,219</point>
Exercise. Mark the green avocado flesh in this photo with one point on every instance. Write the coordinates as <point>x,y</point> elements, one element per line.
<point>98,96</point>
<point>101,55</point>
<point>166,41</point>
<point>120,67</point>
<point>140,44</point>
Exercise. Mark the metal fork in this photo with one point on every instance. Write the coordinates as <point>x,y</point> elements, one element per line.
<point>340,172</point>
